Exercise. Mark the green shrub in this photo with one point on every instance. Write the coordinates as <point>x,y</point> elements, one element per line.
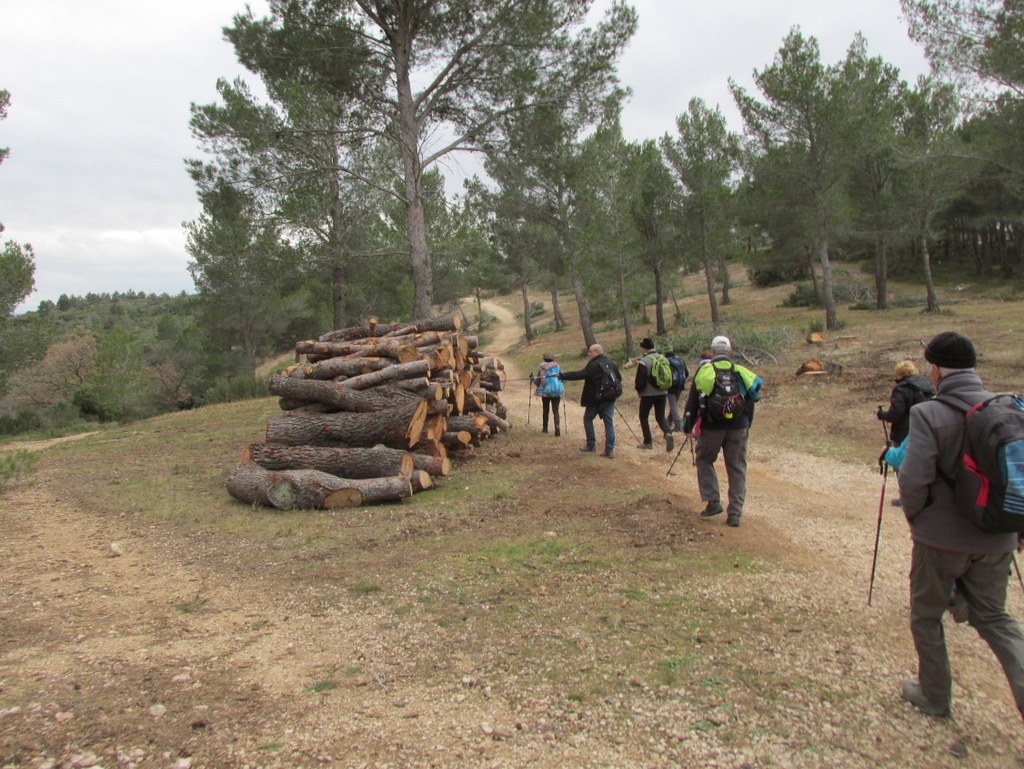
<point>803,295</point>
<point>15,466</point>
<point>236,388</point>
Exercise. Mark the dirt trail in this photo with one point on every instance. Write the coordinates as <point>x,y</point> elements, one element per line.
<point>123,644</point>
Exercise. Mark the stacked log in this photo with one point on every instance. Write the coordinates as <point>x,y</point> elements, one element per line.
<point>371,414</point>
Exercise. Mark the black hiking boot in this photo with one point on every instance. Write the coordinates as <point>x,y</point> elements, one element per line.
<point>712,508</point>
<point>733,520</point>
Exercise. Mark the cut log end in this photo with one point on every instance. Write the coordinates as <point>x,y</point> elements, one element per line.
<point>343,498</point>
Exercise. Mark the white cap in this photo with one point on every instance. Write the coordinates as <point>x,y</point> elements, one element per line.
<point>721,344</point>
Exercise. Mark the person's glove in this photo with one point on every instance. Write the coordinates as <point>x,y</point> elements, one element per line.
<point>533,379</point>
<point>881,460</point>
<point>881,412</point>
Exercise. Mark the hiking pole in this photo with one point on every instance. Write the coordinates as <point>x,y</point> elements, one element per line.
<point>623,418</point>
<point>878,532</point>
<point>1016,568</point>
<point>685,441</point>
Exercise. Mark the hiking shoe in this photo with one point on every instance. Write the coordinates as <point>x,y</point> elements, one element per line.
<point>670,442</point>
<point>557,432</point>
<point>733,520</point>
<point>712,508</point>
<point>609,454</point>
<point>587,448</point>
<point>645,446</point>
<point>912,693</point>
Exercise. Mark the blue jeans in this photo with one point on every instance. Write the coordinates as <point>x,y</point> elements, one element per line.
<point>606,410</point>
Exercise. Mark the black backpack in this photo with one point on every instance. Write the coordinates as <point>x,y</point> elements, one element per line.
<point>610,387</point>
<point>988,483</point>
<point>725,402</point>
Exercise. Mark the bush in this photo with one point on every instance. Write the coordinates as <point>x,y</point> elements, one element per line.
<point>16,465</point>
<point>236,388</point>
<point>803,295</point>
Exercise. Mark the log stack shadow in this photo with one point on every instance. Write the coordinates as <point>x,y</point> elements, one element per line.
<point>373,413</point>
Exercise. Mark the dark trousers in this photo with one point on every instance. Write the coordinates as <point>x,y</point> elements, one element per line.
<point>982,581</point>
<point>552,404</point>
<point>657,402</point>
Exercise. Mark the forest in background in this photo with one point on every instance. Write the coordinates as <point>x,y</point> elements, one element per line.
<point>323,202</point>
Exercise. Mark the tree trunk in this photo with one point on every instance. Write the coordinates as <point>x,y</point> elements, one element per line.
<point>659,300</point>
<point>831,321</point>
<point>583,306</point>
<point>723,271</point>
<point>340,367</point>
<point>339,394</point>
<point>709,277</point>
<point>376,462</point>
<point>395,372</point>
<point>526,312</point>
<point>881,274</point>
<point>627,323</point>
<point>929,283</point>
<point>374,347</point>
<point>439,467</point>
<point>556,309</point>
<point>292,489</point>
<point>339,286</point>
<point>398,428</point>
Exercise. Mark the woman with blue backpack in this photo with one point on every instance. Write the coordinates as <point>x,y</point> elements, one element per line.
<point>550,389</point>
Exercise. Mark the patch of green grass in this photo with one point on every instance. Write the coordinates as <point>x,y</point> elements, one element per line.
<point>364,587</point>
<point>527,553</point>
<point>191,607</point>
<point>324,685</point>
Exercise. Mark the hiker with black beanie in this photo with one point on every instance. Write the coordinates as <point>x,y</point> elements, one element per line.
<point>948,547</point>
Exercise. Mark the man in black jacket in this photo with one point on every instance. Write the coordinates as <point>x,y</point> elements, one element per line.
<point>594,401</point>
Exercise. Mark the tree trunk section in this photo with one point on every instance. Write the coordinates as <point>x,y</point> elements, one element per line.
<point>398,428</point>
<point>376,462</point>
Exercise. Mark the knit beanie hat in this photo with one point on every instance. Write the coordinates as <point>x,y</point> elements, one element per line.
<point>548,357</point>
<point>646,343</point>
<point>721,344</point>
<point>950,350</point>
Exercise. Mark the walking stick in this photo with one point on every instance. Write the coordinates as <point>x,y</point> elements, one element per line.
<point>878,532</point>
<point>685,441</point>
<point>1016,568</point>
<point>529,406</point>
<point>623,418</point>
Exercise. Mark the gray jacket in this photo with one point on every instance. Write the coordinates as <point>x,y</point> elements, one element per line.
<point>936,438</point>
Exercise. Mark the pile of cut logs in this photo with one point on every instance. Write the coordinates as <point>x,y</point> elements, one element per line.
<point>372,413</point>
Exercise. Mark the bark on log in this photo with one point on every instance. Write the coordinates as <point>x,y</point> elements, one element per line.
<point>437,466</point>
<point>450,322</point>
<point>290,404</point>
<point>397,428</point>
<point>318,351</point>
<point>340,395</point>
<point>495,421</point>
<point>475,424</point>
<point>376,462</point>
<point>456,439</point>
<point>332,368</point>
<point>421,481</point>
<point>375,490</point>
<point>369,329</point>
<point>394,372</point>
<point>292,489</point>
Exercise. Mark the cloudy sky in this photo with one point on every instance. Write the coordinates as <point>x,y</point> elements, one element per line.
<point>100,95</point>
